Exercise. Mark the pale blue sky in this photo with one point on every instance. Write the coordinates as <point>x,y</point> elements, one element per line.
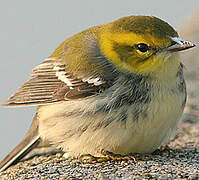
<point>31,30</point>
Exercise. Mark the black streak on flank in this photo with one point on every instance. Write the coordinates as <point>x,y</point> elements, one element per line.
<point>181,84</point>
<point>124,116</point>
<point>116,117</point>
<point>134,90</point>
<point>103,123</point>
<point>139,111</point>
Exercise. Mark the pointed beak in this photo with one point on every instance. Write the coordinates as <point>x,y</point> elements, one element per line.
<point>179,44</point>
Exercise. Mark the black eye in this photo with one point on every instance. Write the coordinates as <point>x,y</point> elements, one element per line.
<point>142,47</point>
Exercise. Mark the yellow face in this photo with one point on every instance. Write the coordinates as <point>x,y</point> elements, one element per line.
<point>138,53</point>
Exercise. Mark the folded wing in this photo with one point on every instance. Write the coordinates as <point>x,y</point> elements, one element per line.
<point>50,82</point>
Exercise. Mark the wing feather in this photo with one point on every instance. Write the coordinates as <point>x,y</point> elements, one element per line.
<point>51,83</point>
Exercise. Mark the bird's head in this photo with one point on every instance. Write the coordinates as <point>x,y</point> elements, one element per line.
<point>142,44</point>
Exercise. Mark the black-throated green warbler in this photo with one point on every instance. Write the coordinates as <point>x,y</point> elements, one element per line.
<point>117,87</point>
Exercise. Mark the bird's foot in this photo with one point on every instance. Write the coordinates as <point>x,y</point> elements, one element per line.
<point>164,149</point>
<point>107,156</point>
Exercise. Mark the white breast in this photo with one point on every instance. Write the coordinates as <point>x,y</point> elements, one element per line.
<point>81,133</point>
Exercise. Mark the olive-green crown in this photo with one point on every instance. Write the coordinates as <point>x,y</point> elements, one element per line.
<point>143,25</point>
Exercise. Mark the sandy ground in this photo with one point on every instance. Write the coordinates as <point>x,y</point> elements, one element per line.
<point>180,162</point>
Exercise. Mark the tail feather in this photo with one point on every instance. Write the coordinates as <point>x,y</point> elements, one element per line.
<point>18,153</point>
<point>30,141</point>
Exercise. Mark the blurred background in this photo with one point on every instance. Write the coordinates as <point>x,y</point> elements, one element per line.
<point>31,30</point>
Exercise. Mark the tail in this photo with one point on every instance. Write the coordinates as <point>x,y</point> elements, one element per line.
<point>30,141</point>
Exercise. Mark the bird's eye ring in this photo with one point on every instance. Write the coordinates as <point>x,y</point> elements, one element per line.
<point>142,47</point>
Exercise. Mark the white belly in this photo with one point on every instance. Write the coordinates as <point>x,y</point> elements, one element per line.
<point>141,135</point>
<point>156,128</point>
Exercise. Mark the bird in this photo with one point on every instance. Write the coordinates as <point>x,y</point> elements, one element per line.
<point>116,87</point>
